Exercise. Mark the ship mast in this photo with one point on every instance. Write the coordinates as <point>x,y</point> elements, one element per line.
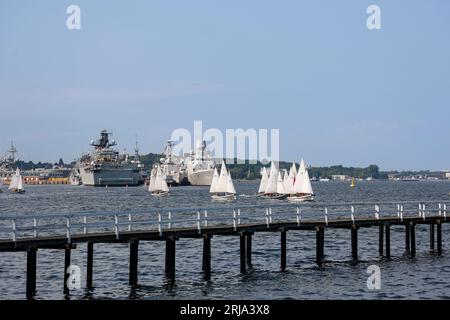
<point>12,153</point>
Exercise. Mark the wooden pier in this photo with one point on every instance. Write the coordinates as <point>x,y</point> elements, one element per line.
<point>29,234</point>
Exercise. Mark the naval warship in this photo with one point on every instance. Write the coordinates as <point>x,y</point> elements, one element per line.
<point>200,166</point>
<point>107,167</point>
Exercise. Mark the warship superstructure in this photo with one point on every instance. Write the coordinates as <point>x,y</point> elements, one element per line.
<point>105,166</point>
<point>200,166</point>
<point>173,167</point>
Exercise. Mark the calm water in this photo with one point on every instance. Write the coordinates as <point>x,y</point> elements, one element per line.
<point>426,277</point>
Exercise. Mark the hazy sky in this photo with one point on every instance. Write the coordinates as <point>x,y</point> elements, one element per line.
<point>339,93</point>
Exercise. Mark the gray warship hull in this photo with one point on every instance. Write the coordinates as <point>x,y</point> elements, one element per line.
<point>114,176</point>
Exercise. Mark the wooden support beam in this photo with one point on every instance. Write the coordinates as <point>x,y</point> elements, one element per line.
<point>206,265</point>
<point>283,250</point>
<point>31,273</point>
<point>249,249</point>
<point>354,240</point>
<point>89,264</point>
<point>407,239</point>
<point>388,241</point>
<point>319,245</point>
<point>381,240</point>
<point>67,254</point>
<point>439,238</point>
<point>412,233</point>
<point>134,261</point>
<point>170,257</point>
<point>432,236</point>
<point>242,253</point>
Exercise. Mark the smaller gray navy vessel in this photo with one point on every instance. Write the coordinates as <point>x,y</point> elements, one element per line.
<point>106,167</point>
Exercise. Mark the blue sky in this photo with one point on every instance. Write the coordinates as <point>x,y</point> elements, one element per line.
<point>339,93</point>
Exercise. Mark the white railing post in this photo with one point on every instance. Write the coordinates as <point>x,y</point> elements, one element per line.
<point>116,226</point>
<point>239,216</point>
<point>298,216</point>
<point>352,209</point>
<point>35,232</point>
<point>129,222</point>
<point>14,230</point>
<point>85,225</point>
<point>440,209</point>
<point>401,213</point>
<point>170,220</point>
<point>234,220</point>
<point>445,211</point>
<point>199,227</point>
<point>398,211</point>
<point>424,212</point>
<point>377,212</point>
<point>159,225</point>
<point>267,218</point>
<point>270,215</point>
<point>420,210</point>
<point>326,216</point>
<point>68,236</point>
<point>206,218</point>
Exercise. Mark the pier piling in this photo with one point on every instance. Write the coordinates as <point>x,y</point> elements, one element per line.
<point>242,253</point>
<point>319,245</point>
<point>380,239</point>
<point>432,237</point>
<point>89,264</point>
<point>412,233</point>
<point>67,254</point>
<point>283,250</point>
<point>249,249</point>
<point>407,239</point>
<point>31,273</point>
<point>354,236</point>
<point>134,260</point>
<point>206,265</point>
<point>388,241</point>
<point>439,238</point>
<point>170,257</point>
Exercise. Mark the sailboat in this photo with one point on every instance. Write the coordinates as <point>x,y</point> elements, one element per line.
<point>275,186</point>
<point>289,179</point>
<point>158,184</point>
<point>302,190</point>
<point>353,185</point>
<point>222,187</point>
<point>16,184</point>
<point>264,180</point>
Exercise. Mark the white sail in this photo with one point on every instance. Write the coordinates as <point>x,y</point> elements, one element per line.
<point>164,186</point>
<point>293,172</point>
<point>280,185</point>
<point>288,182</point>
<point>20,184</point>
<point>222,183</point>
<point>264,180</point>
<point>151,186</point>
<point>230,185</point>
<point>298,185</point>
<point>158,179</point>
<point>273,180</point>
<point>15,180</point>
<point>214,182</point>
<point>307,187</point>
<point>302,168</point>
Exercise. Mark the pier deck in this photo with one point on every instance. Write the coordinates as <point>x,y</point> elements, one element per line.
<point>34,232</point>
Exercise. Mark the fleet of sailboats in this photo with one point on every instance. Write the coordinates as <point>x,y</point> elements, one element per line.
<point>222,186</point>
<point>273,185</point>
<point>295,185</point>
<point>158,184</point>
<point>16,184</point>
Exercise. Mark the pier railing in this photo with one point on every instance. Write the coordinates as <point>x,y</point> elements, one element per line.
<point>29,226</point>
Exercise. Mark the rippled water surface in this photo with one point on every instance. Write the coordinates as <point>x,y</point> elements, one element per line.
<point>427,276</point>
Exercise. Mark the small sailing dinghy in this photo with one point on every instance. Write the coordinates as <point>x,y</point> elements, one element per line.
<point>222,187</point>
<point>289,180</point>
<point>16,184</point>
<point>353,185</point>
<point>264,180</point>
<point>275,187</point>
<point>158,185</point>
<point>302,190</point>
